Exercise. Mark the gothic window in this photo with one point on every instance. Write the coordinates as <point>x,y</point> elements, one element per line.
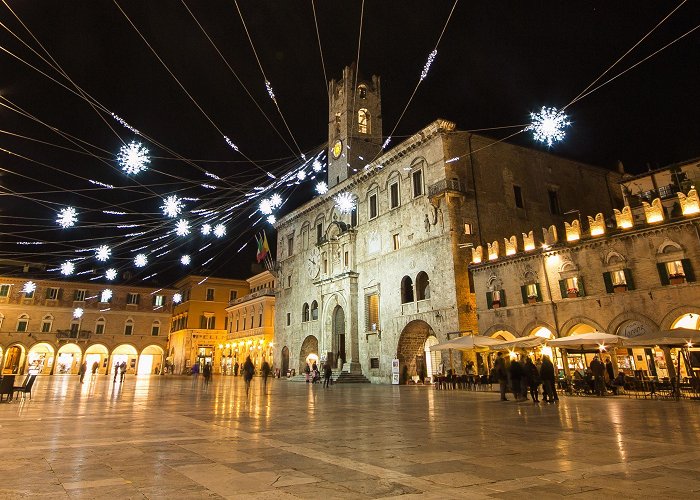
<point>260,316</point>
<point>363,124</point>
<point>417,177</point>
<point>394,200</point>
<point>305,312</point>
<point>314,310</point>
<point>422,286</point>
<point>406,290</point>
<point>373,205</point>
<point>362,91</point>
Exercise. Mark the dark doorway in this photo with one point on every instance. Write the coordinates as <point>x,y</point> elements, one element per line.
<point>339,332</point>
<point>285,361</point>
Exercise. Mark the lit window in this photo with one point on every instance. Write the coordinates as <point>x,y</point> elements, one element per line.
<point>362,90</point>
<point>363,122</point>
<point>618,278</point>
<point>159,300</point>
<point>372,312</point>
<point>396,241</point>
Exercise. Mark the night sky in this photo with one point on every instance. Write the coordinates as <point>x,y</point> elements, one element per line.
<point>497,61</point>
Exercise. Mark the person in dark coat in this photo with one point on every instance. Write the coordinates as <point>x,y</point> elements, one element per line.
<point>235,369</point>
<point>516,375</point>
<point>609,370</point>
<point>598,371</point>
<point>207,373</point>
<point>82,371</point>
<point>547,377</point>
<point>327,373</point>
<point>265,370</point>
<point>501,375</point>
<point>533,380</point>
<point>248,371</point>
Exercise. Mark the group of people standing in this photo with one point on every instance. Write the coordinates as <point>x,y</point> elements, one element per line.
<point>313,375</point>
<point>523,375</point>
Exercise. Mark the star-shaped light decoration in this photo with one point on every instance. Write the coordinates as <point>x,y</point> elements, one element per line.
<point>301,175</point>
<point>275,200</point>
<point>177,298</point>
<point>182,228</point>
<point>271,219</point>
<point>106,295</point>
<point>67,268</point>
<point>29,287</point>
<point>140,260</point>
<point>219,230</point>
<point>548,125</point>
<point>265,207</point>
<point>133,158</point>
<point>172,206</point>
<point>321,188</point>
<point>102,253</point>
<point>185,260</point>
<point>345,202</point>
<point>67,217</point>
<point>111,274</point>
<point>206,229</point>
<point>317,166</point>
<point>78,312</point>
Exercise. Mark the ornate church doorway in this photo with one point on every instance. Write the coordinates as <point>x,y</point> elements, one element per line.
<point>339,333</point>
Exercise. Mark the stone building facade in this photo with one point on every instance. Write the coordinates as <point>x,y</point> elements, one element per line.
<point>633,278</point>
<point>390,277</point>
<point>199,324</point>
<point>53,329</point>
<point>251,326</point>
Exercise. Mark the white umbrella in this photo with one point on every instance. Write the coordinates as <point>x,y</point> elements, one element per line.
<point>467,343</point>
<point>521,343</point>
<point>583,340</point>
<point>677,337</point>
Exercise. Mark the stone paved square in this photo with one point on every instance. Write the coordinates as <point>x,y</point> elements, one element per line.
<point>165,437</point>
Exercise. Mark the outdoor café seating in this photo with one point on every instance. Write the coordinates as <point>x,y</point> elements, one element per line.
<point>7,385</point>
<point>26,387</point>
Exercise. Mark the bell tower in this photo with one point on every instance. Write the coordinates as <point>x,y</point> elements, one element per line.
<point>354,124</point>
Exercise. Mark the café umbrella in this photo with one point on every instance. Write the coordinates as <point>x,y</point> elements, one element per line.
<point>587,340</point>
<point>467,343</point>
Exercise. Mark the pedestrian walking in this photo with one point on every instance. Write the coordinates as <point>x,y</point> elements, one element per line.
<point>500,373</point>
<point>307,372</point>
<point>516,374</point>
<point>248,371</point>
<point>82,371</point>
<point>122,371</point>
<point>95,367</point>
<point>547,376</point>
<point>598,370</point>
<point>533,380</point>
<point>235,369</point>
<point>206,372</point>
<point>117,365</point>
<point>327,373</point>
<point>265,369</point>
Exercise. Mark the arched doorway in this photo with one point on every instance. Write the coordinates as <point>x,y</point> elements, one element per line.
<point>309,351</point>
<point>97,353</point>
<point>339,333</point>
<point>285,360</point>
<point>410,350</point>
<point>124,353</point>
<point>40,359</point>
<point>14,358</point>
<point>150,361</point>
<point>68,360</point>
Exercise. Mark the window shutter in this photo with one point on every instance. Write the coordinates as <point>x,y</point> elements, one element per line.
<point>48,293</point>
<point>523,291</point>
<point>562,288</point>
<point>688,270</point>
<point>629,279</point>
<point>75,294</point>
<point>539,292</point>
<point>489,300</point>
<point>663,274</point>
<point>503,298</point>
<point>138,298</point>
<point>581,287</point>
<point>59,295</point>
<point>202,321</point>
<point>153,300</point>
<point>607,279</point>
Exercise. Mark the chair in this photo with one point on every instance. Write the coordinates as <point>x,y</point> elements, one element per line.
<point>7,385</point>
<point>26,387</point>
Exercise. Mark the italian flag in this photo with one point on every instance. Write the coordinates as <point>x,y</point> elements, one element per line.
<point>263,247</point>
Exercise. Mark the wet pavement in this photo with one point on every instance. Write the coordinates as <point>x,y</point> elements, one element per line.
<point>172,437</point>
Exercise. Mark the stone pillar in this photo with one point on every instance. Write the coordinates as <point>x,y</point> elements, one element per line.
<point>352,335</point>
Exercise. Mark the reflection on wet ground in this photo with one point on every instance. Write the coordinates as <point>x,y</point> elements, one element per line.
<point>156,437</point>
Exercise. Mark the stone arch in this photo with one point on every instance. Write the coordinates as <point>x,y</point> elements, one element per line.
<point>328,306</point>
<point>614,257</point>
<point>40,358</point>
<point>393,176</point>
<point>68,359</point>
<point>410,350</point>
<point>14,357</point>
<point>668,247</point>
<point>567,266</point>
<point>97,353</point>
<point>126,353</point>
<point>285,361</point>
<point>309,347</point>
<point>494,329</point>
<point>674,314</point>
<point>422,286</point>
<point>150,360</point>
<point>503,335</point>
<point>630,324</point>
<point>574,325</point>
<point>335,229</point>
<point>532,326</point>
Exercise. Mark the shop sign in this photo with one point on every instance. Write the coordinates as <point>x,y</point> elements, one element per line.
<point>395,372</point>
<point>633,329</point>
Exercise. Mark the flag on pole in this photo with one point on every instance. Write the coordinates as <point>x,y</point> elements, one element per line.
<point>263,247</point>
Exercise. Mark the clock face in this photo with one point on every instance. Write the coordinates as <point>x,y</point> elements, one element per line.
<point>337,149</point>
<point>313,262</point>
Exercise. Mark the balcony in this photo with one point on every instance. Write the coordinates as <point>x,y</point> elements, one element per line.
<point>445,185</point>
<point>73,334</point>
